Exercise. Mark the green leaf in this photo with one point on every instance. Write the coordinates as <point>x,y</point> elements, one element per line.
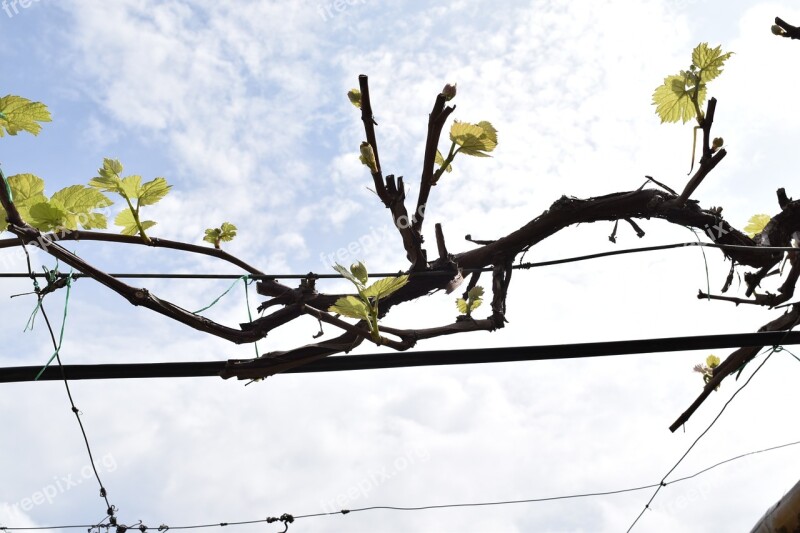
<point>26,190</point>
<point>212,236</point>
<point>80,202</point>
<point>474,139</point>
<point>712,361</point>
<point>228,232</point>
<point>473,301</point>
<point>674,98</point>
<point>756,224</point>
<point>108,179</point>
<point>128,223</point>
<point>48,215</point>
<point>355,97</point>
<point>131,186</point>
<point>20,114</point>
<point>25,186</point>
<point>351,307</point>
<point>384,287</point>
<point>475,292</point>
<point>439,160</point>
<point>153,191</point>
<point>709,61</point>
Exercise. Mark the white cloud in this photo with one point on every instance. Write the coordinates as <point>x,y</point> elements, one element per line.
<point>236,95</point>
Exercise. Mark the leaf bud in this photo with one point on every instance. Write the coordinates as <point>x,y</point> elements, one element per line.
<point>368,156</point>
<point>355,97</point>
<point>449,92</point>
<point>360,272</point>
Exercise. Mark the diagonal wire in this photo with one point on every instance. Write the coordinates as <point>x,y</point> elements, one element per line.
<point>110,509</point>
<point>663,483</point>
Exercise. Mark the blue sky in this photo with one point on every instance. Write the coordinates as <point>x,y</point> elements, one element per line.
<point>242,107</point>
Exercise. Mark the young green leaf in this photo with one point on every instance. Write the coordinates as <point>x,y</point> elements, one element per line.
<point>128,222</point>
<point>48,215</point>
<point>153,191</point>
<point>26,190</point>
<point>756,224</point>
<point>384,287</point>
<point>367,156</point>
<point>474,139</point>
<point>712,361</point>
<point>351,307</point>
<point>673,99</point>
<point>473,301</point>
<point>709,61</point>
<point>439,160</point>
<point>79,202</point>
<point>20,114</point>
<point>354,95</point>
<point>108,179</point>
<point>348,275</point>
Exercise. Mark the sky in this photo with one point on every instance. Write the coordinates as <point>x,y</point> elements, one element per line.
<point>242,106</point>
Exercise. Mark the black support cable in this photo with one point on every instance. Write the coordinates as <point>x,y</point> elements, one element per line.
<point>418,358</point>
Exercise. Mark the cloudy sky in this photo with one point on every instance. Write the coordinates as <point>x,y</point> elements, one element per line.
<point>241,105</point>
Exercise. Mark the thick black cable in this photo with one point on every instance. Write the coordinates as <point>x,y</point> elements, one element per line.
<point>522,266</point>
<point>419,508</point>
<point>377,361</point>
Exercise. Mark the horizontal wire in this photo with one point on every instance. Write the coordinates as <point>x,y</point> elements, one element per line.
<point>520,266</point>
<point>419,508</point>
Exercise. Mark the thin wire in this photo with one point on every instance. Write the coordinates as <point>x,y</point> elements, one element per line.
<point>662,482</point>
<point>522,266</point>
<point>420,508</point>
<point>57,347</point>
<point>705,262</point>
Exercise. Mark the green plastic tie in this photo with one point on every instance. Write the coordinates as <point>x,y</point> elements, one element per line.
<point>63,323</point>
<point>247,281</point>
<point>8,187</point>
<point>218,298</point>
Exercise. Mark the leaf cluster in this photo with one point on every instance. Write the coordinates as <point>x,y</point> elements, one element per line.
<point>365,305</point>
<point>225,233</point>
<point>473,301</point>
<point>135,193</point>
<point>72,207</point>
<point>681,96</point>
<point>707,370</point>
<point>470,139</point>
